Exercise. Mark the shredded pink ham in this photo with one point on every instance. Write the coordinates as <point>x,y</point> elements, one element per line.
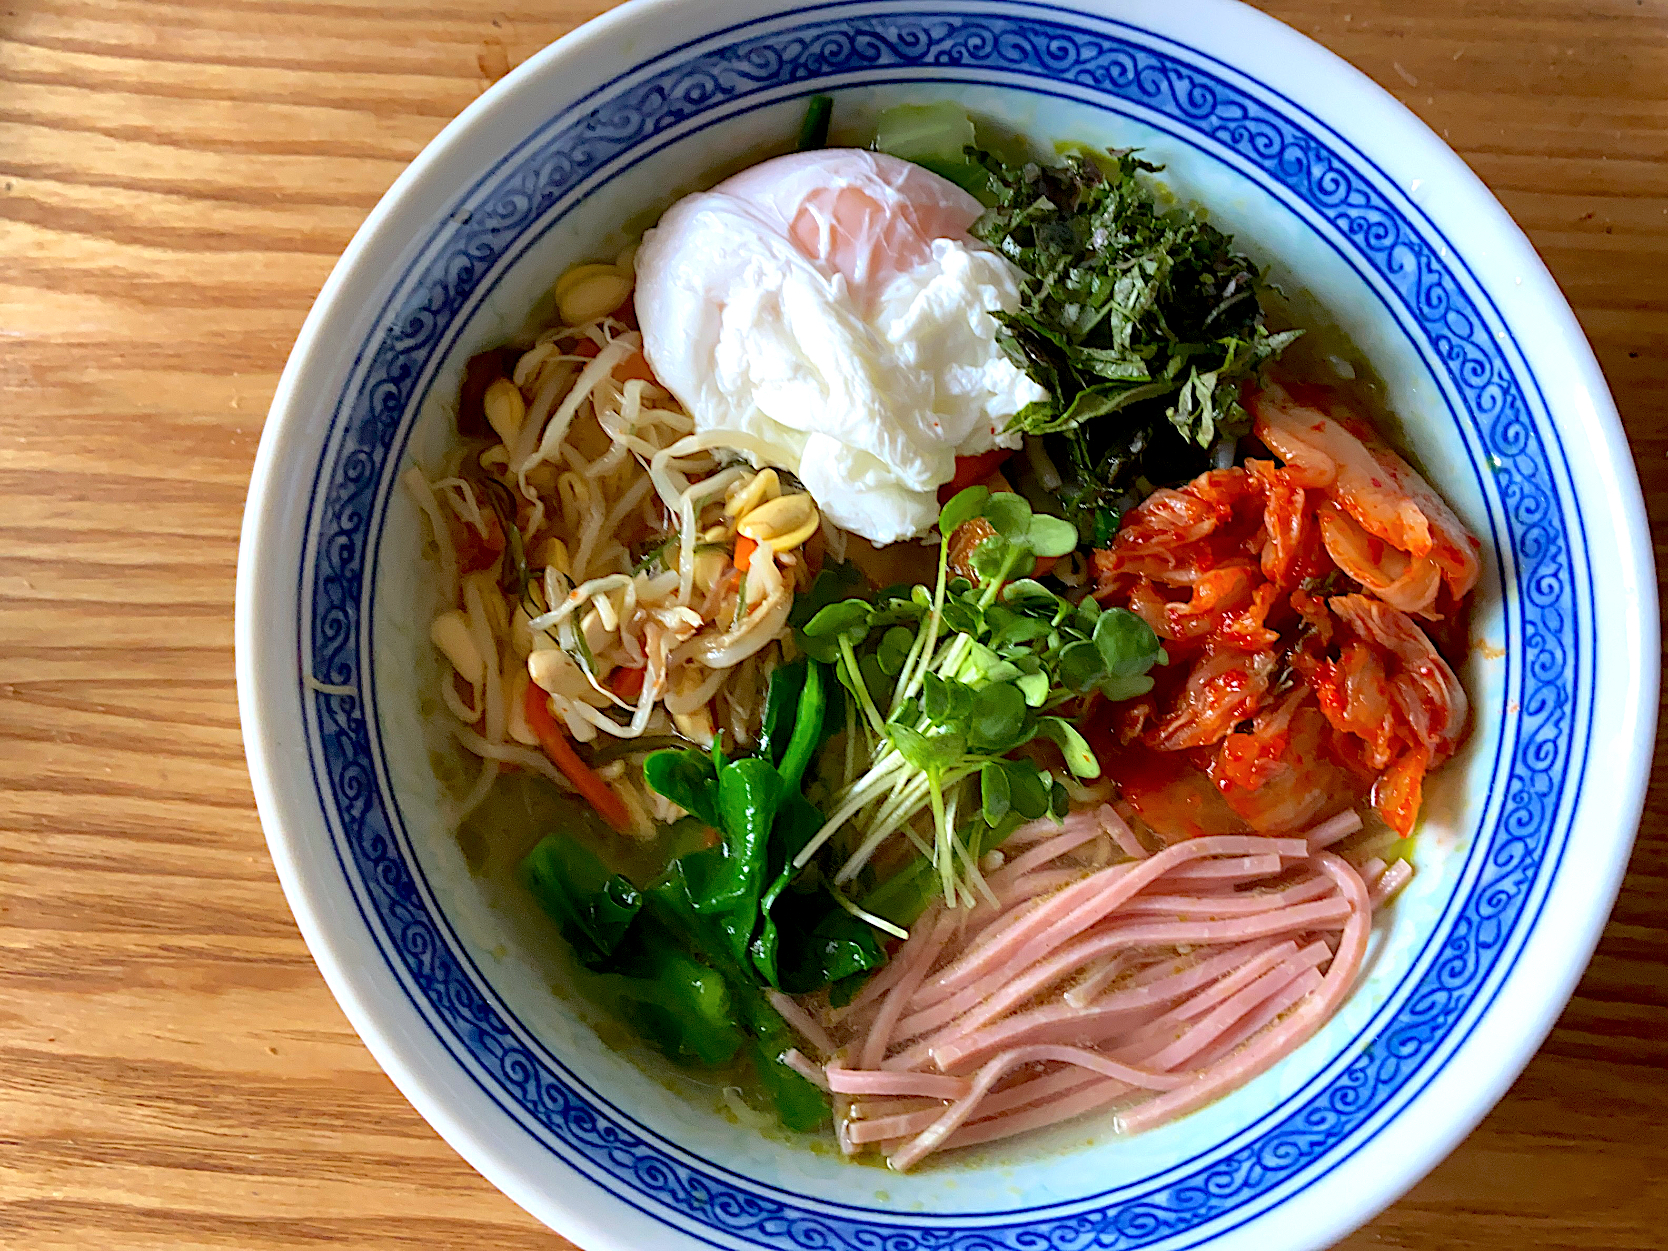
<point>795,1059</point>
<point>871,1082</point>
<point>803,1023</point>
<point>874,1051</point>
<point>1076,830</point>
<point>1390,881</point>
<point>1237,868</point>
<point>1333,829</point>
<point>1153,984</point>
<point>1083,905</point>
<point>1121,834</point>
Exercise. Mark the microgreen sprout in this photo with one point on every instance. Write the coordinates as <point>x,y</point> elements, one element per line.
<point>968,675</point>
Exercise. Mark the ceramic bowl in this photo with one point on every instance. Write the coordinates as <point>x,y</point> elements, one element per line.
<point>1353,203</point>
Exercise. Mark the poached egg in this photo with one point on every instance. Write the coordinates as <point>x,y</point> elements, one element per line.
<point>832,307</point>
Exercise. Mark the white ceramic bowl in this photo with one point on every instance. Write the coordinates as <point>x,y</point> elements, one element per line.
<point>1320,174</point>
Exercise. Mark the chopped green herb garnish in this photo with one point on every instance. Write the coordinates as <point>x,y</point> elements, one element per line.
<point>813,131</point>
<point>1140,323</point>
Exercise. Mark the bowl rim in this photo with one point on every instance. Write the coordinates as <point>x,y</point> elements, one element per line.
<point>1464,194</point>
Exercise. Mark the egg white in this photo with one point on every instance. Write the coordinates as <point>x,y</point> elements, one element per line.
<point>866,369</point>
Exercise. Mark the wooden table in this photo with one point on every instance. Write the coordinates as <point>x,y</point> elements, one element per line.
<point>176,180</point>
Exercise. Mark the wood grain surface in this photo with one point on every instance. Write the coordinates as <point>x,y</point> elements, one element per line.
<point>176,180</point>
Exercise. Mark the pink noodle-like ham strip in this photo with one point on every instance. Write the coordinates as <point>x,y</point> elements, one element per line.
<point>803,1023</point>
<point>1229,904</point>
<point>1280,1039</point>
<point>1333,829</point>
<point>1087,903</point>
<point>874,1109</point>
<point>1155,984</point>
<point>1002,992</point>
<point>1078,829</point>
<point>795,1059</point>
<point>1121,834</point>
<point>1117,1009</point>
<point>1259,1020</point>
<point>880,1033</point>
<point>1084,1097</point>
<point>958,1112</point>
<point>898,1125</point>
<point>1245,999</point>
<point>872,1082</point>
<point>1390,881</point>
<point>1239,867</point>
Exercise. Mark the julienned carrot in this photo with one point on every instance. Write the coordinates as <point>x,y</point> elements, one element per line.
<point>627,683</point>
<point>634,366</point>
<point>744,551</point>
<point>585,779</point>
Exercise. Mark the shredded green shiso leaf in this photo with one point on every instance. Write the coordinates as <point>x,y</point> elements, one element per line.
<point>1141,324</point>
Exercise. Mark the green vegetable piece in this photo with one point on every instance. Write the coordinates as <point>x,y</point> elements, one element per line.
<point>1051,536</point>
<point>979,665</point>
<point>875,679</point>
<point>1081,666</point>
<point>945,701</point>
<point>963,616</point>
<point>904,895</point>
<point>798,821</point>
<point>1026,594</point>
<point>999,719</point>
<point>1079,756</point>
<point>935,698</point>
<point>1029,789</point>
<point>1117,689</point>
<point>1127,644</point>
<point>1010,629</point>
<point>1034,686</point>
<point>799,1105</point>
<point>845,621</point>
<point>1059,801</point>
<point>837,581</point>
<point>845,990</point>
<point>781,710</point>
<point>848,617</point>
<point>813,131</point>
<point>940,132</point>
<point>749,795</point>
<point>810,719</point>
<point>683,1007</point>
<point>936,136</point>
<point>898,610</point>
<point>1009,515</point>
<point>683,836</point>
<point>1140,322</point>
<point>990,559</point>
<point>962,508</point>
<point>908,712</point>
<point>837,947</point>
<point>1002,671</point>
<point>927,752</point>
<point>688,778</point>
<point>669,903</point>
<point>593,907</point>
<point>894,650</point>
<point>995,795</point>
